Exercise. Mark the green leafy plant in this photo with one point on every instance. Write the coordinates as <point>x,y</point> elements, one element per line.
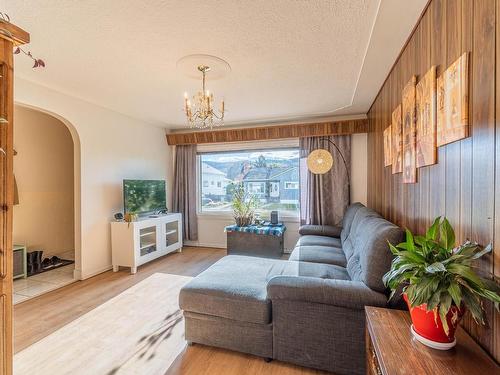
<point>436,273</point>
<point>244,206</point>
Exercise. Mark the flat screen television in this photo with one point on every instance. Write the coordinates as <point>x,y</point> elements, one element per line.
<point>144,196</point>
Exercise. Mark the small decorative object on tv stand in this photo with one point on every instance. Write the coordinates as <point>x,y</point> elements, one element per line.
<point>141,241</point>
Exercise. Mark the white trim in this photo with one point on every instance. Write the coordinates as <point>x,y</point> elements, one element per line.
<point>364,56</point>
<point>238,147</point>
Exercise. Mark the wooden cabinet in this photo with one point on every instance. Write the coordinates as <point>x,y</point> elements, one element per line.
<point>391,349</point>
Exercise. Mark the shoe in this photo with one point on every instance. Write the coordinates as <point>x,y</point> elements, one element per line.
<point>38,261</point>
<point>56,261</point>
<point>47,264</point>
<point>30,262</point>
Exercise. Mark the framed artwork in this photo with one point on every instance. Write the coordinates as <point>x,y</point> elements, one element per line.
<point>453,102</point>
<point>409,133</point>
<point>397,141</point>
<point>426,119</point>
<point>387,146</point>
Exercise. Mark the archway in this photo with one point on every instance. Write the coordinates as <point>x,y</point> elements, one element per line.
<point>76,181</point>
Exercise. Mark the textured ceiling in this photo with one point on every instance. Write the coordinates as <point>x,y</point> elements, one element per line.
<point>290,59</point>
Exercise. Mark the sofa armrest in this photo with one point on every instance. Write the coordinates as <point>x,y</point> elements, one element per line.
<point>320,230</point>
<point>342,293</point>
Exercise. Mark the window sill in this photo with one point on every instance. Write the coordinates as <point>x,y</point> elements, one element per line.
<point>229,216</point>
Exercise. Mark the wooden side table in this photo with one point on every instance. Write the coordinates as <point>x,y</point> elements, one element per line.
<point>392,350</point>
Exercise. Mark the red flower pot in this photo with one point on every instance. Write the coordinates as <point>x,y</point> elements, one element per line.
<point>428,329</point>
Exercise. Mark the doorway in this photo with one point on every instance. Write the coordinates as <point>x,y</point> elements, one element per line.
<point>44,207</point>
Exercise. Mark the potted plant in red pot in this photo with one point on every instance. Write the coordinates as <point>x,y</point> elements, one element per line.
<point>439,283</point>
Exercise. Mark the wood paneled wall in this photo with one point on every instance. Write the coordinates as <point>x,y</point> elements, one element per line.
<point>464,183</point>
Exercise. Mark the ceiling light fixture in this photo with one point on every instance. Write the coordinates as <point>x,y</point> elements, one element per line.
<point>201,113</point>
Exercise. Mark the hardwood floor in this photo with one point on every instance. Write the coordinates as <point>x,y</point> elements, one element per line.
<point>40,316</point>
<point>204,360</point>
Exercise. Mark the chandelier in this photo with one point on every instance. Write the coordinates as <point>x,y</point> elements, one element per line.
<point>201,113</point>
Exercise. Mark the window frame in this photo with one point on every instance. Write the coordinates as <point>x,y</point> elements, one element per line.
<point>225,215</point>
<point>291,182</point>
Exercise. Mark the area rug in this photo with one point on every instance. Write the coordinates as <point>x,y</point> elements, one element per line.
<point>140,331</point>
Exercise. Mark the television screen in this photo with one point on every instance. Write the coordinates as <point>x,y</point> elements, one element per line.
<point>141,196</point>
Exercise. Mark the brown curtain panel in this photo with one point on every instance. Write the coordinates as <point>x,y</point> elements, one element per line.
<point>324,198</point>
<point>184,194</point>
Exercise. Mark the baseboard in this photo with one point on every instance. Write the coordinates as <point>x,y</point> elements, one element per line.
<point>205,244</point>
<point>77,274</point>
<point>89,275</point>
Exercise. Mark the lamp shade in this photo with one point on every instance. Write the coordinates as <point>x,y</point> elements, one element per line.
<point>319,161</point>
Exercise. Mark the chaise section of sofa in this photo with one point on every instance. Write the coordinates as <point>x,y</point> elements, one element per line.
<point>308,310</point>
<point>227,305</point>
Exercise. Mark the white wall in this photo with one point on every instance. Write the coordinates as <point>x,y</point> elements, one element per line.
<point>211,227</point>
<point>43,167</point>
<point>112,147</point>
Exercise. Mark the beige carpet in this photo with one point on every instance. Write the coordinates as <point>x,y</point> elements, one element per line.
<point>140,331</point>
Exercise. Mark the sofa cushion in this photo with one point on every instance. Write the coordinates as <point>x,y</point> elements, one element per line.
<point>319,254</point>
<point>320,230</point>
<point>311,240</point>
<point>371,257</point>
<point>357,229</point>
<point>348,218</point>
<point>235,286</point>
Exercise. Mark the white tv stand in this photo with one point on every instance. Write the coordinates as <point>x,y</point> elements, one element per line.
<point>141,241</point>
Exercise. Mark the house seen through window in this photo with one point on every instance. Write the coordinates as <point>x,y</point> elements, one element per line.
<point>270,175</point>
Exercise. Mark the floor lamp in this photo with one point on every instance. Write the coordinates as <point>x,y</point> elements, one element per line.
<point>320,161</point>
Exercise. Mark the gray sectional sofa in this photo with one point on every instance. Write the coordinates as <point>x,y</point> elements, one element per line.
<point>308,310</point>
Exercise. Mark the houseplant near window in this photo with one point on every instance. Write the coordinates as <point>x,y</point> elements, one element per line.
<point>439,282</point>
<point>244,206</point>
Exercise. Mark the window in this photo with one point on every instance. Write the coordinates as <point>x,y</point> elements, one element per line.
<point>270,175</point>
<point>291,185</point>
